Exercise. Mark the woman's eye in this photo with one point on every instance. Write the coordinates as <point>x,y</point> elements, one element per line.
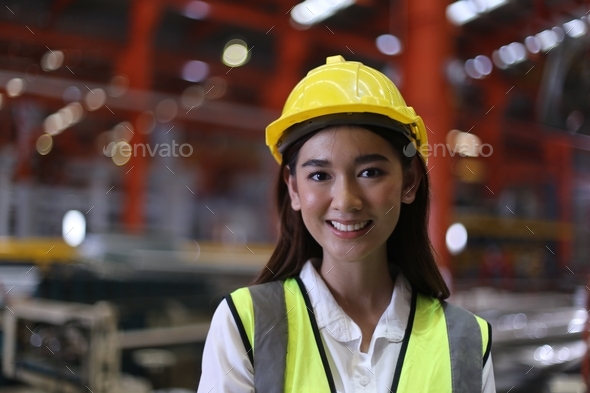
<point>371,172</point>
<point>318,176</point>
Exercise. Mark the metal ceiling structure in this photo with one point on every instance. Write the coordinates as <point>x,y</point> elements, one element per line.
<point>137,51</point>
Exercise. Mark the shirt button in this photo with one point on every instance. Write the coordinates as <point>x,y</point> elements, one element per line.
<point>364,381</point>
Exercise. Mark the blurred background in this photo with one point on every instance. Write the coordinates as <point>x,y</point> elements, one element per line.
<point>136,189</point>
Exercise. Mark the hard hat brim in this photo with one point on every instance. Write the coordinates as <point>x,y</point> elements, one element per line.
<point>299,130</point>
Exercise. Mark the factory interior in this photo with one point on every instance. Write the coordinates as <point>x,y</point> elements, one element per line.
<point>136,188</point>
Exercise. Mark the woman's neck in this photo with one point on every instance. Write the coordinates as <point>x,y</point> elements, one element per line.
<point>360,285</point>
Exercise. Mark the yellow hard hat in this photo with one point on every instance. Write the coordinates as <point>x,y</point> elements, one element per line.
<point>343,92</point>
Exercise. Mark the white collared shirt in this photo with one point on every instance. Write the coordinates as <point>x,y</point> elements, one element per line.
<point>227,368</point>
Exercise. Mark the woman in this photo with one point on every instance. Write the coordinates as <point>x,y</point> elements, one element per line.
<point>351,299</point>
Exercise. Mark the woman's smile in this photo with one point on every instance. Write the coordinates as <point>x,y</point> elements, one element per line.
<point>350,231</point>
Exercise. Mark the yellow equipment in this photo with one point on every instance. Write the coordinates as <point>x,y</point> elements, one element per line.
<point>40,251</point>
<point>344,92</point>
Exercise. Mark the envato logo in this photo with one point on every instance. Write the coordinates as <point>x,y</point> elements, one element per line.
<point>463,149</point>
<point>125,150</point>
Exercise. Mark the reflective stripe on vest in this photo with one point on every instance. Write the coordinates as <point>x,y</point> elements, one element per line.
<point>443,350</point>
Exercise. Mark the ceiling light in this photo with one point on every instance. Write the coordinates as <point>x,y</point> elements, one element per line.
<point>71,93</point>
<point>575,28</point>
<point>388,44</point>
<point>195,71</point>
<point>313,11</point>
<point>456,238</point>
<point>507,55</point>
<point>44,144</point>
<point>559,33</point>
<point>493,4</point>
<point>533,44</point>
<point>73,228</point>
<point>122,132</point>
<point>483,64</point>
<point>52,60</point>
<point>519,51</point>
<point>121,153</point>
<point>461,12</point>
<point>471,70</point>
<point>15,87</point>
<point>497,59</point>
<point>196,10</point>
<point>235,53</point>
<point>548,39</point>
<point>95,98</point>
<point>76,110</point>
<point>54,124</point>
<point>456,72</point>
<point>513,53</point>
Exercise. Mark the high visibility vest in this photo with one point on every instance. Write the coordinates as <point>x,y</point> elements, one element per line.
<point>443,350</point>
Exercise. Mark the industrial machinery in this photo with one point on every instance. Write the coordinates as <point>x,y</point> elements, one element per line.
<point>537,338</point>
<point>61,347</point>
<point>120,314</point>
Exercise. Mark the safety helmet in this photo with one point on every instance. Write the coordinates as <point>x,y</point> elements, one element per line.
<point>344,92</point>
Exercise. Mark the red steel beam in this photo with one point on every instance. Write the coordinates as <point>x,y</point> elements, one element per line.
<point>426,89</point>
<point>239,15</point>
<point>137,63</point>
<point>332,40</point>
<point>291,54</point>
<point>169,63</point>
<point>57,40</point>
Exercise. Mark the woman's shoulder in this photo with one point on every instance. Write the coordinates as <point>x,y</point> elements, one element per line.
<point>444,304</point>
<point>268,291</point>
<point>265,286</point>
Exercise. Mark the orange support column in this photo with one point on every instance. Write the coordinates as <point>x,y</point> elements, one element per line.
<point>427,47</point>
<point>137,64</point>
<point>291,53</point>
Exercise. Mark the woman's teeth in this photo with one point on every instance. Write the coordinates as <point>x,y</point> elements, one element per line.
<point>349,228</point>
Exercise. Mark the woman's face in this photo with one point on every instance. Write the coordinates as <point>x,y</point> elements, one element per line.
<point>349,184</point>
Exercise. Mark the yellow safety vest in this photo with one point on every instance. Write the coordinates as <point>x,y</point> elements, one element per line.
<point>443,350</point>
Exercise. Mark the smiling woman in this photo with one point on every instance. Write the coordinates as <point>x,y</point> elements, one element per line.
<point>384,168</point>
<point>350,193</point>
<point>352,298</point>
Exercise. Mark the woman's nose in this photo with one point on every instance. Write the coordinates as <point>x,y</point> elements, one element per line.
<point>346,196</point>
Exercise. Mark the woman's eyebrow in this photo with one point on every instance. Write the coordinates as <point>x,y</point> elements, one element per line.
<point>316,162</point>
<point>363,159</point>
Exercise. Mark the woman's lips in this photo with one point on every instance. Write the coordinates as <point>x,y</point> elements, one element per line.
<point>350,234</point>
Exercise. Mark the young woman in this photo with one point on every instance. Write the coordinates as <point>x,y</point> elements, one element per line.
<point>352,299</point>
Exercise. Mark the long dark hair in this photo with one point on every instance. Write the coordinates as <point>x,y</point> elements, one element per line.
<point>408,247</point>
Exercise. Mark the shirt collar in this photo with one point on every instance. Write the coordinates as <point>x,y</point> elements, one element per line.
<point>329,314</point>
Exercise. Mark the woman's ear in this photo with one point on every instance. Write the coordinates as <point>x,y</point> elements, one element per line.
<point>291,182</point>
<point>412,178</point>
